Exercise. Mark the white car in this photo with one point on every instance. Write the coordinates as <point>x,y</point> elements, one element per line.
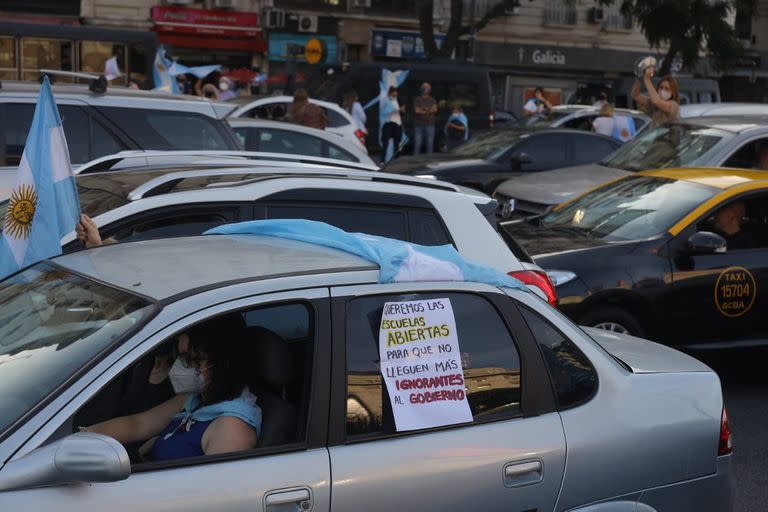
<point>165,202</point>
<point>275,108</point>
<point>293,139</point>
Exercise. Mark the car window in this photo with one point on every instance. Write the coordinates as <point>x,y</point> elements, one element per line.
<point>427,229</point>
<point>583,123</point>
<point>334,151</point>
<point>170,223</point>
<point>752,229</point>
<point>573,376</point>
<point>75,122</point>
<point>334,119</point>
<point>276,370</point>
<point>489,359</point>
<point>285,141</point>
<point>544,151</point>
<point>169,130</point>
<point>390,223</point>
<point>272,111</point>
<point>588,149</point>
<point>103,142</point>
<point>747,156</point>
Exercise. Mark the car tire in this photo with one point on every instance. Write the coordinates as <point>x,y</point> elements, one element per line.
<point>613,319</point>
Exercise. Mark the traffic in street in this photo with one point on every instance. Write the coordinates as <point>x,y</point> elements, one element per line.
<point>440,256</point>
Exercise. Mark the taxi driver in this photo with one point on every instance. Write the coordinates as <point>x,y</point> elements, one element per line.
<point>728,220</point>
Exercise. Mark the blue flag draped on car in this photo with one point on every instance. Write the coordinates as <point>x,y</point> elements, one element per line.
<point>398,261</point>
<point>43,206</point>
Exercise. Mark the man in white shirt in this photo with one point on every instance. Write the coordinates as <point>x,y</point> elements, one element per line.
<point>538,104</point>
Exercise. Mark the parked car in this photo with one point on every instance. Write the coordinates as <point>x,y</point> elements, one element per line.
<point>293,139</point>
<point>577,117</point>
<point>179,200</point>
<point>275,108</point>
<point>644,255</point>
<point>723,109</point>
<point>452,84</point>
<point>539,392</point>
<point>693,142</point>
<point>484,162</point>
<point>120,119</point>
<point>692,90</point>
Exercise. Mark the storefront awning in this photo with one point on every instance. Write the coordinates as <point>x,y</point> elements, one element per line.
<point>198,28</point>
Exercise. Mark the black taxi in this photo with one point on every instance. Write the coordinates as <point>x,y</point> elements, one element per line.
<point>679,256</point>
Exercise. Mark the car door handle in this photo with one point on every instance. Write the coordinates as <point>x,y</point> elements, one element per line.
<point>302,498</point>
<point>523,473</point>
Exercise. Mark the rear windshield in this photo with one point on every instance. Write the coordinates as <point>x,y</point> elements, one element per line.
<point>168,130</point>
<point>490,146</point>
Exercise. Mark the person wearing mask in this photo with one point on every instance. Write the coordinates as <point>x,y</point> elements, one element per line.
<point>215,413</point>
<point>305,113</point>
<point>424,109</point>
<point>352,105</point>
<point>604,123</point>
<point>602,99</point>
<point>456,128</point>
<point>538,104</point>
<point>227,89</point>
<point>662,104</point>
<point>392,128</point>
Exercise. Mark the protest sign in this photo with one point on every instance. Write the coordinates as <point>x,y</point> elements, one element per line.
<point>421,364</point>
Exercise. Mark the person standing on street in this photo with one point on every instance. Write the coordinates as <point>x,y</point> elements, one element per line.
<point>355,109</point>
<point>456,128</point>
<point>538,104</point>
<point>424,108</point>
<point>662,104</point>
<point>305,113</point>
<point>392,129</point>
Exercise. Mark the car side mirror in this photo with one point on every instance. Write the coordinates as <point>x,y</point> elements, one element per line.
<point>520,159</point>
<point>80,457</point>
<point>706,242</point>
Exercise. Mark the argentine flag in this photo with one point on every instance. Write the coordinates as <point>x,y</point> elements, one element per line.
<point>398,261</point>
<point>43,206</point>
<point>164,82</point>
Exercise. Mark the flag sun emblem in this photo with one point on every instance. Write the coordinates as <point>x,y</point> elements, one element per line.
<point>21,211</point>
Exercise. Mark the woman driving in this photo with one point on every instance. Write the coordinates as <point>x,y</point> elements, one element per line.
<point>216,414</point>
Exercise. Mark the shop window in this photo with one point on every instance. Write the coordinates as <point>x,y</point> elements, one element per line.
<point>139,59</point>
<point>38,53</point>
<point>8,62</point>
<point>560,12</point>
<point>94,54</point>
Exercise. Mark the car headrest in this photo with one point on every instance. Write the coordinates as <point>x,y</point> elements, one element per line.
<point>272,359</point>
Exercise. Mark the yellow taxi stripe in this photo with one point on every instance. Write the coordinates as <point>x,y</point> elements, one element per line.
<point>712,202</point>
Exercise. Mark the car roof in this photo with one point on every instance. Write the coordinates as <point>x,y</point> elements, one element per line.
<point>736,123</point>
<point>168,269</point>
<point>593,108</point>
<point>289,99</point>
<point>723,109</point>
<point>718,177</point>
<point>237,122</point>
<point>118,95</point>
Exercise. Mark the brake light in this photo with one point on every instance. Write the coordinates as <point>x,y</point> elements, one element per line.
<point>726,444</point>
<point>490,120</point>
<point>540,280</point>
<point>360,134</point>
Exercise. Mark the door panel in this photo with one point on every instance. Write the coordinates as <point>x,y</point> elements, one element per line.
<point>223,487</point>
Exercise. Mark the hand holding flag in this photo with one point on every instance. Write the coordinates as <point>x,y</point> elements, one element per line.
<point>44,205</point>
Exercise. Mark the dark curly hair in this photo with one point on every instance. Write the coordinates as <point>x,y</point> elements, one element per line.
<point>223,343</point>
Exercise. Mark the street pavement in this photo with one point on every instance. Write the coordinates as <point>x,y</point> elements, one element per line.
<point>745,385</point>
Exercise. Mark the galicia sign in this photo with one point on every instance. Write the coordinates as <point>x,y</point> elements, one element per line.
<point>548,57</point>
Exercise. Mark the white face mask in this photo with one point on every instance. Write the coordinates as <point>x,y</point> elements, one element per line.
<point>185,380</point>
<point>665,94</point>
<point>223,86</point>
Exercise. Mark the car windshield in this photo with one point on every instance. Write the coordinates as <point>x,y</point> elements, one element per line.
<point>634,208</point>
<point>540,120</point>
<point>52,324</point>
<point>668,145</point>
<point>489,146</point>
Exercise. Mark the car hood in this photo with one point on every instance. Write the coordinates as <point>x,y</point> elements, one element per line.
<point>410,164</point>
<point>643,356</point>
<point>539,240</point>
<point>558,185</point>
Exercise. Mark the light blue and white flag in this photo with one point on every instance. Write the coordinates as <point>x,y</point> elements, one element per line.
<point>164,82</point>
<point>398,261</point>
<point>178,68</point>
<point>623,127</point>
<point>44,205</point>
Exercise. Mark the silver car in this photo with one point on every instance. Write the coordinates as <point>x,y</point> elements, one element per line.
<point>727,141</point>
<point>557,418</point>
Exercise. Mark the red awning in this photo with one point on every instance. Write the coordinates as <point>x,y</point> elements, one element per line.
<point>198,28</point>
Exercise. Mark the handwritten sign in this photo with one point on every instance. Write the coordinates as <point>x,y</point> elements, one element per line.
<point>421,364</point>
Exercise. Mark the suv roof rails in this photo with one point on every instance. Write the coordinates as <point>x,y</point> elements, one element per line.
<point>97,83</point>
<point>167,183</point>
<point>144,158</point>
